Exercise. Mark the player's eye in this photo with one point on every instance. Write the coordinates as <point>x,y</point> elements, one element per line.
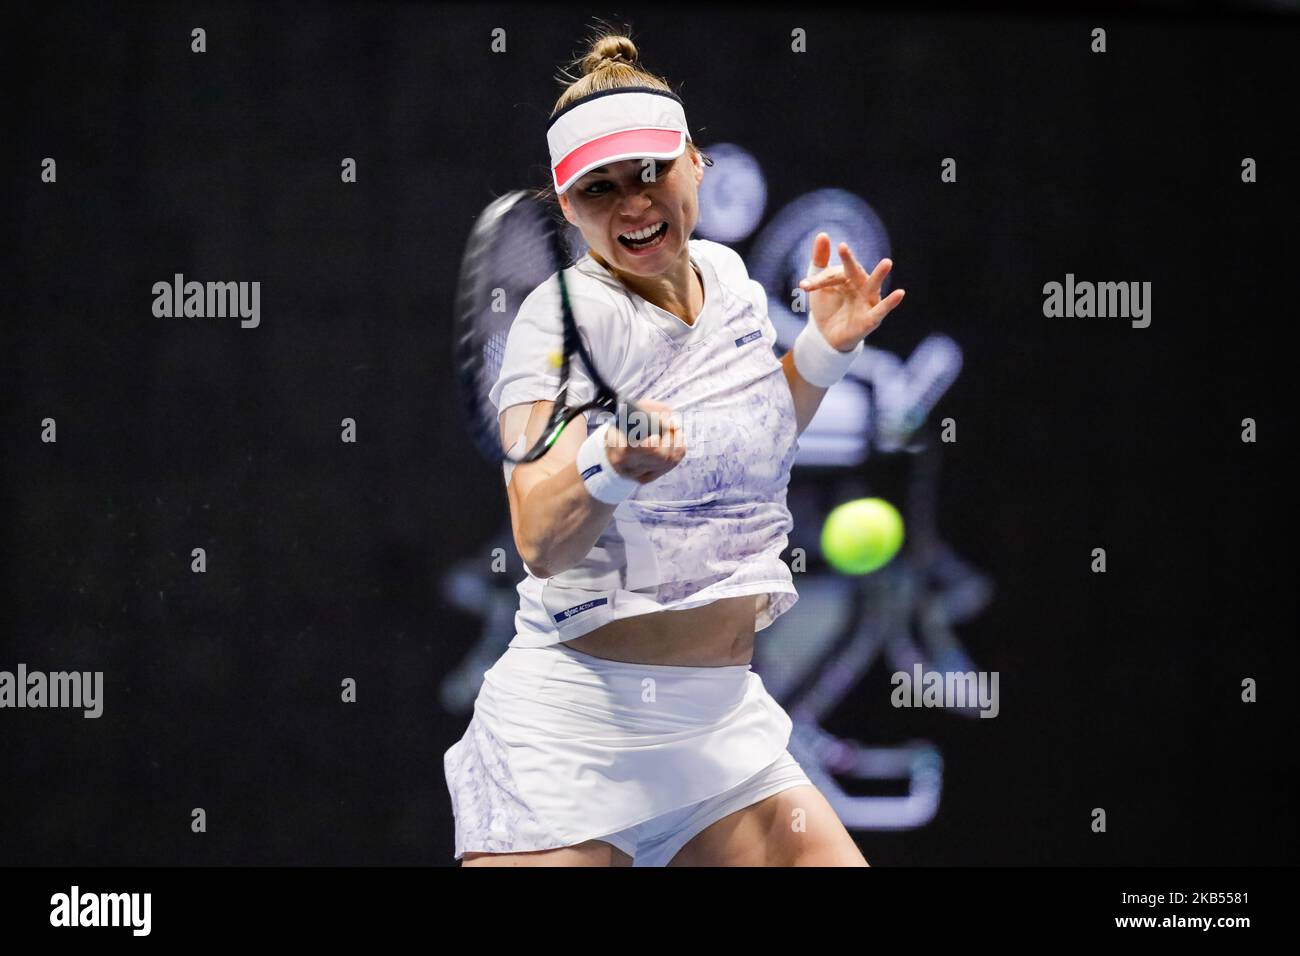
<point>602,186</point>
<point>660,168</point>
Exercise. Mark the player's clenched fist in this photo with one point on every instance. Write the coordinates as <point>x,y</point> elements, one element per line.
<point>649,454</point>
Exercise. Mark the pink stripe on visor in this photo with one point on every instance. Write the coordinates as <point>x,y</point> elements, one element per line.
<point>627,144</point>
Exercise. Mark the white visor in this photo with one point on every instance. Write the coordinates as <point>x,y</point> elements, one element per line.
<point>614,125</point>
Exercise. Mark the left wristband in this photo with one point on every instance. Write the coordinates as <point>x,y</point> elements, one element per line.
<point>819,362</point>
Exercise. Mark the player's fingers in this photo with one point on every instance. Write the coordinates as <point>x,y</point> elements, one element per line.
<point>668,426</point>
<point>661,416</point>
<point>852,268</point>
<point>887,304</point>
<point>821,252</point>
<point>825,282</point>
<point>877,277</point>
<point>833,276</point>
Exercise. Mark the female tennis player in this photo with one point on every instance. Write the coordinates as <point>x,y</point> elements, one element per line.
<point>624,724</point>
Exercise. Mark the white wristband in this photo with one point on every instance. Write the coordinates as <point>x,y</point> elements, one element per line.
<point>819,362</point>
<point>602,481</point>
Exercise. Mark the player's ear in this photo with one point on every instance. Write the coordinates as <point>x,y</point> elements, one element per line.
<point>699,165</point>
<point>567,208</point>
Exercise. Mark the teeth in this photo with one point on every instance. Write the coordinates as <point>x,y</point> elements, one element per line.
<point>645,233</point>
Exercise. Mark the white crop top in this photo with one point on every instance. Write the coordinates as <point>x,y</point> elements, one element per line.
<point>714,526</point>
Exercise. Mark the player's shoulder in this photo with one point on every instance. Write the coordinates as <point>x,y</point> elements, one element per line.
<point>723,258</point>
<point>594,299</point>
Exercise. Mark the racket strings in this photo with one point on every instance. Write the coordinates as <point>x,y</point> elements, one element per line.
<point>511,252</point>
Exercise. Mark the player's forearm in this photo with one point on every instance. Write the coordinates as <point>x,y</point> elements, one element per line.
<point>807,397</point>
<point>560,523</point>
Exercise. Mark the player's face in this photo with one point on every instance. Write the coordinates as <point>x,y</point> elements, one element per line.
<point>637,215</point>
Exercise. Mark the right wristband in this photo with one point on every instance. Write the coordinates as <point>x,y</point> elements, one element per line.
<point>819,362</point>
<point>601,480</point>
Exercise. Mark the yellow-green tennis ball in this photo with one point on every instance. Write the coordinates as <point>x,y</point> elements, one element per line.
<point>862,536</point>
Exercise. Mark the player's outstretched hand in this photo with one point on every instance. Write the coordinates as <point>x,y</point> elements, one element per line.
<point>845,300</point>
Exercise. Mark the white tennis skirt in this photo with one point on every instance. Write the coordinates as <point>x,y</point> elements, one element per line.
<point>564,747</point>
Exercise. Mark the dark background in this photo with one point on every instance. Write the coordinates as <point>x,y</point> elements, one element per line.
<point>222,690</point>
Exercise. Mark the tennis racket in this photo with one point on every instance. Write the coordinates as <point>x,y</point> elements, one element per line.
<point>514,247</point>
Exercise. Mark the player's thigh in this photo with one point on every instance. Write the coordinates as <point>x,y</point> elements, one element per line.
<point>796,827</point>
<point>590,853</point>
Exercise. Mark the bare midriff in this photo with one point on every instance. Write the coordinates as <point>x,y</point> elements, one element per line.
<point>712,635</point>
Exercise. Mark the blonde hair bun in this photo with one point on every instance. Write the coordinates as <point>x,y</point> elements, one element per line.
<point>607,51</point>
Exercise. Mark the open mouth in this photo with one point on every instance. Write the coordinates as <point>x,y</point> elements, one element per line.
<point>646,238</point>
